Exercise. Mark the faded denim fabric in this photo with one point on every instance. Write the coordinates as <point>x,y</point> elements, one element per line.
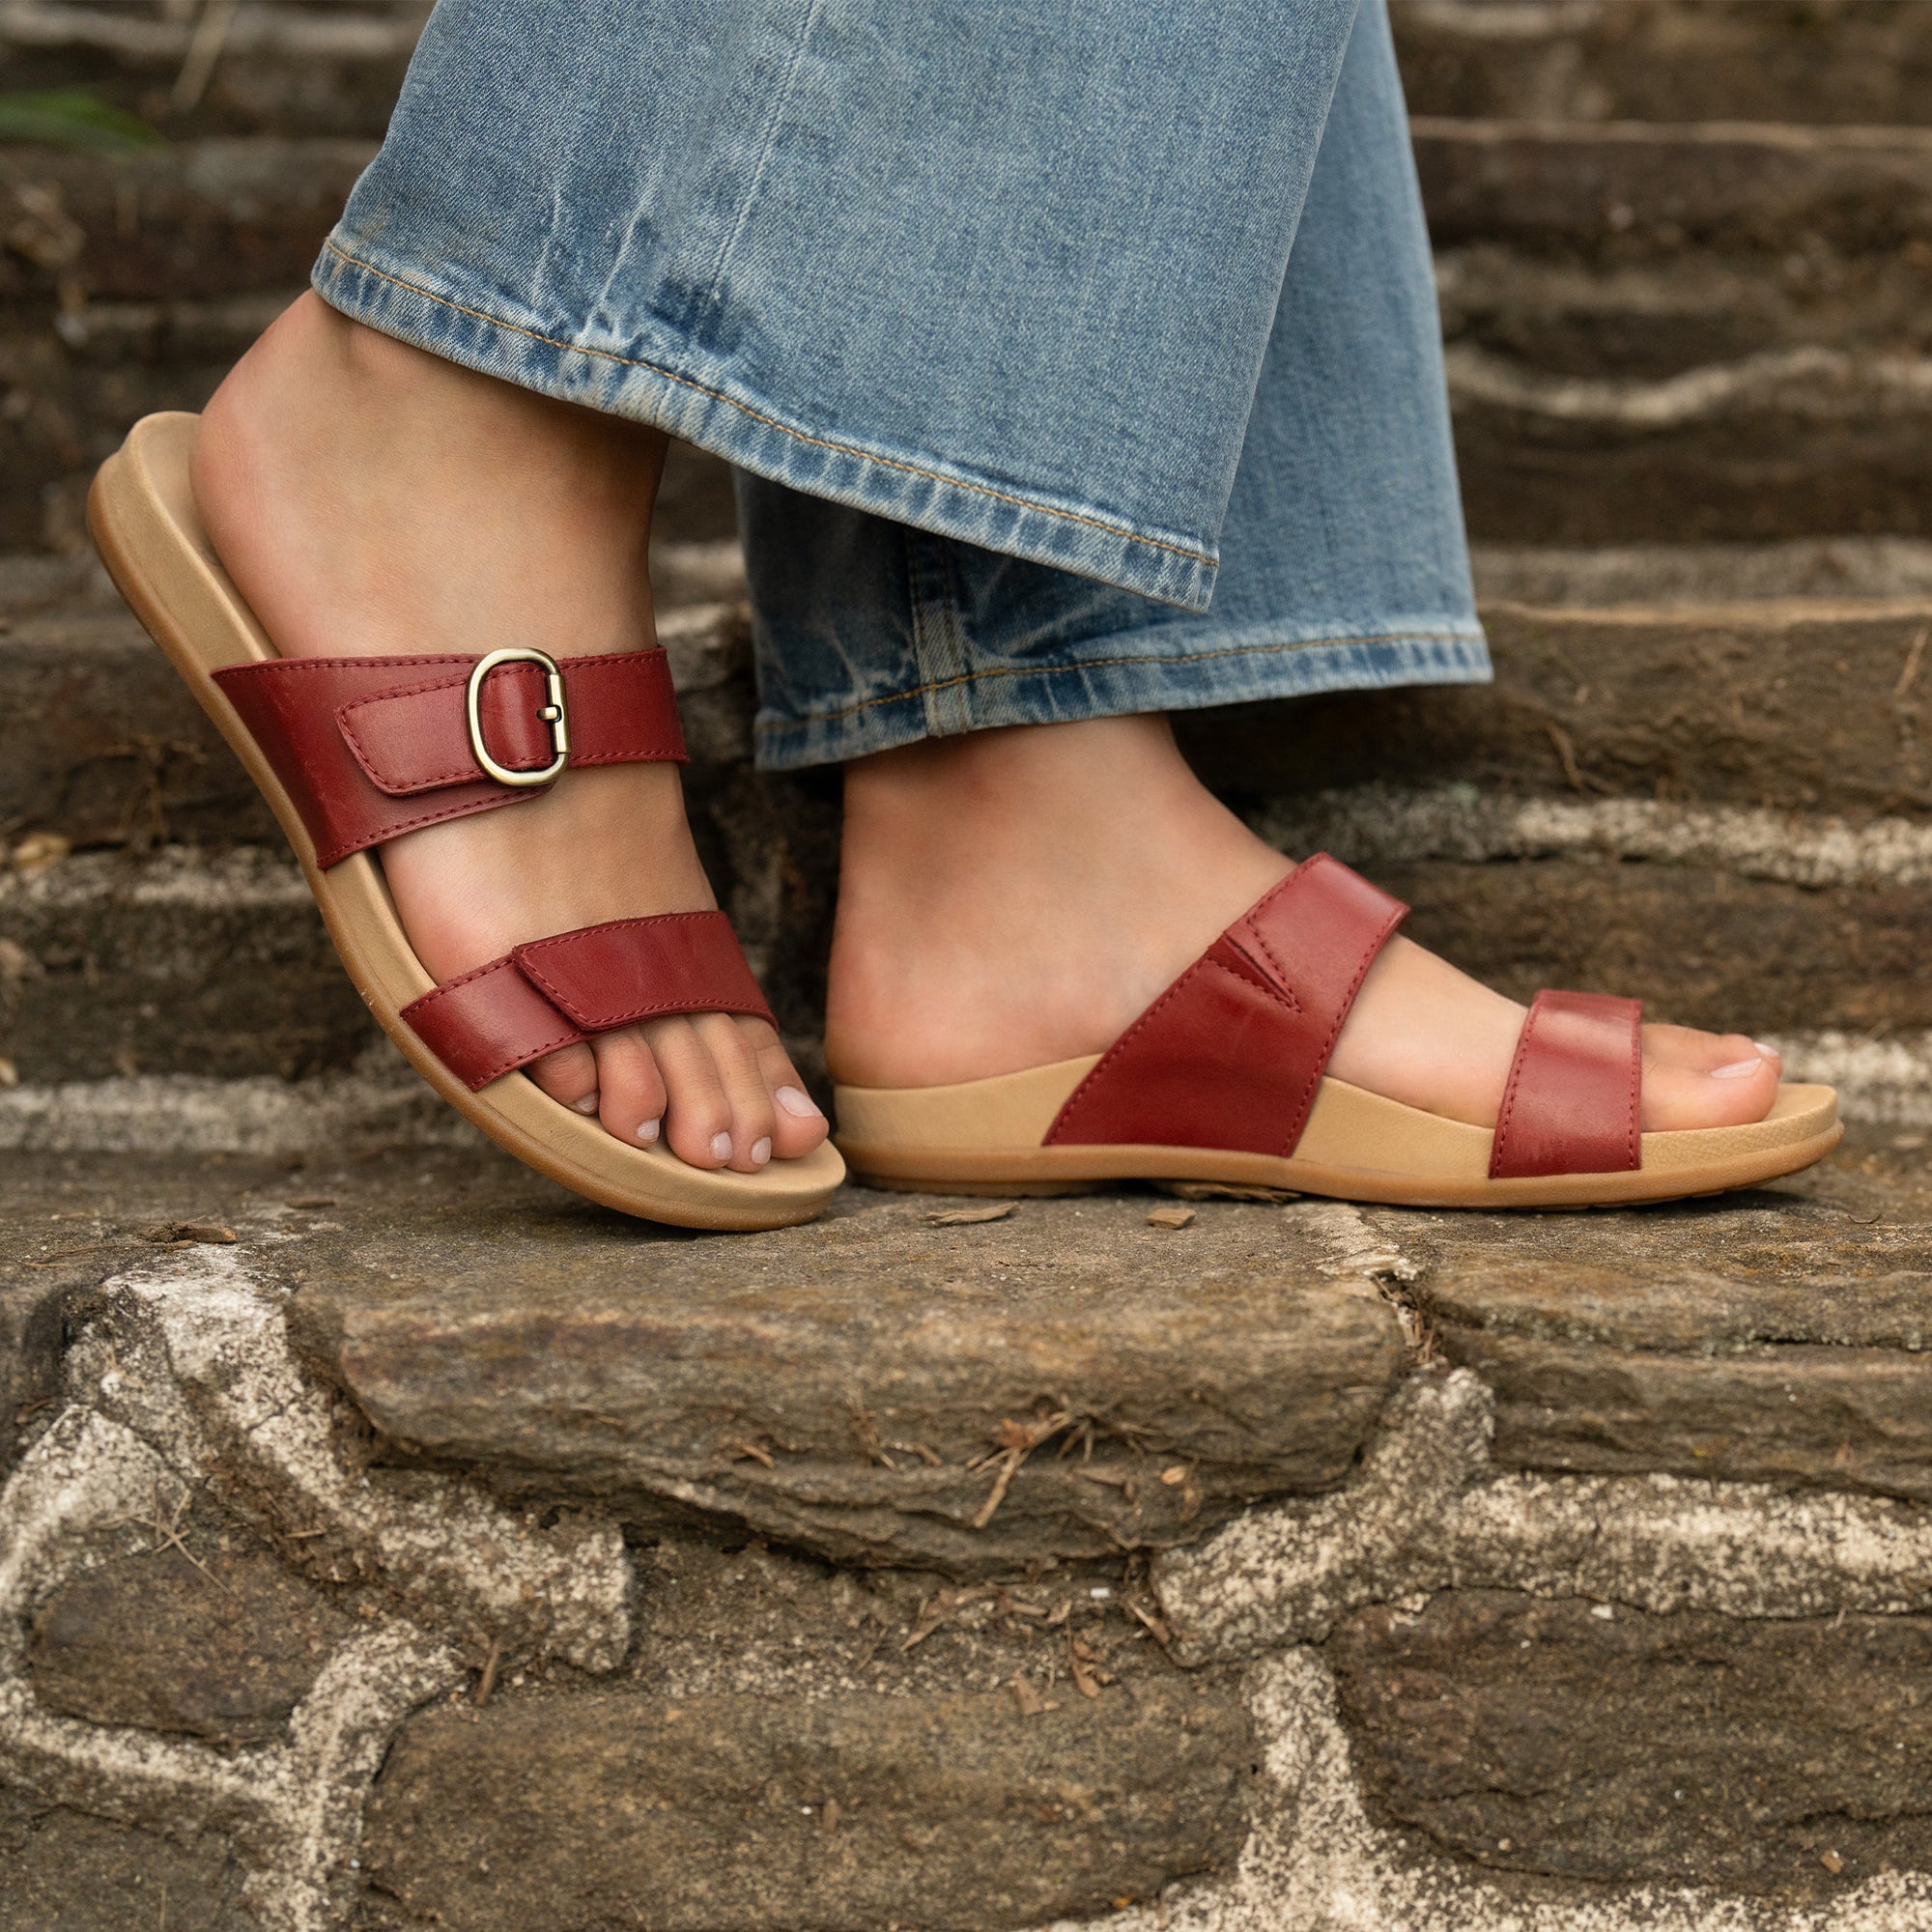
<point>986,298</point>
<point>1343,564</point>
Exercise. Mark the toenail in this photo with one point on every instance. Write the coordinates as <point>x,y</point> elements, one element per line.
<point>1738,1069</point>
<point>588,1104</point>
<point>721,1147</point>
<point>761,1151</point>
<point>648,1132</point>
<point>796,1102</point>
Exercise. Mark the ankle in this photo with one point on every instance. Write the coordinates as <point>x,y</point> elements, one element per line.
<point>369,498</point>
<point>1019,896</point>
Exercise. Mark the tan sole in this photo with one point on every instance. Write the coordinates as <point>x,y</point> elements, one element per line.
<point>986,1134</point>
<point>142,515</point>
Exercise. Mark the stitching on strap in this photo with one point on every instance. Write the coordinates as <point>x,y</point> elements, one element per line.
<point>1634,1140</point>
<point>1499,1142</point>
<point>1342,1011</point>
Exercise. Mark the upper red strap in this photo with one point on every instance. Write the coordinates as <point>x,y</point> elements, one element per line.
<point>370,748</point>
<point>1232,1054</point>
<point>555,992</point>
<point>1576,1089</point>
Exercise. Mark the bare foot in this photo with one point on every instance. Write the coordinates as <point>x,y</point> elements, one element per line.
<point>1020,896</point>
<point>370,500</point>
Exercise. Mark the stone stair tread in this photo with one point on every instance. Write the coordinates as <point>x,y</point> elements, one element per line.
<point>1666,60</point>
<point>1622,189</point>
<point>317,68</point>
<point>1791,681</point>
<point>1065,1383</point>
<point>1030,1730</point>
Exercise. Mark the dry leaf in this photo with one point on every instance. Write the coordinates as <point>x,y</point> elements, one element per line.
<point>211,1233</point>
<point>1030,1701</point>
<point>1175,1476</point>
<point>1170,1217</point>
<point>9,1075</point>
<point>1080,1661</point>
<point>39,850</point>
<point>1226,1191</point>
<point>968,1217</point>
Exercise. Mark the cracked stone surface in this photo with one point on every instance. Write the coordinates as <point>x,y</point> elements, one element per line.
<point>483,1659</point>
<point>1592,1741</point>
<point>222,1647</point>
<point>179,1378</point>
<point>873,1388</point>
<point>959,1812</point>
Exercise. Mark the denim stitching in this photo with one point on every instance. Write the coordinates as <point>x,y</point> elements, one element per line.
<point>780,95</point>
<point>933,618</point>
<point>1101,664</point>
<point>770,422</point>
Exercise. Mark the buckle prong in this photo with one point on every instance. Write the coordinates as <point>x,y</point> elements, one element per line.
<point>556,713</point>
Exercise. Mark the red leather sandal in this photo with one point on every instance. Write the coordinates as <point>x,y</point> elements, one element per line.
<point>349,752</point>
<point>1223,1080</point>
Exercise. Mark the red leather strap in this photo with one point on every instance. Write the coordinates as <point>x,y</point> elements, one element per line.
<point>488,1023</point>
<point>553,992</point>
<point>1232,1054</point>
<point>370,748</point>
<point>633,969</point>
<point>1576,1089</point>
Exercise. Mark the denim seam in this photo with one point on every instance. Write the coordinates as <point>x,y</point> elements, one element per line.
<point>771,134</point>
<point>1108,664</point>
<point>1117,531</point>
<point>938,642</point>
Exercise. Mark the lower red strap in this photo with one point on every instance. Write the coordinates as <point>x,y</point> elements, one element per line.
<point>1232,1053</point>
<point>1574,1102</point>
<point>555,992</point>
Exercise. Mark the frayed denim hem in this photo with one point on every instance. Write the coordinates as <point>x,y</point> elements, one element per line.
<point>675,391</point>
<point>1107,682</point>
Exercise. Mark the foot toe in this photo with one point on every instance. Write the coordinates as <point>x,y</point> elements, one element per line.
<point>697,1110</point>
<point>569,1076</point>
<point>799,1124</point>
<point>1704,1080</point>
<point>631,1088</point>
<point>753,1111</point>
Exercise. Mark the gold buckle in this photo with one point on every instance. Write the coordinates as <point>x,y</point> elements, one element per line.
<point>554,713</point>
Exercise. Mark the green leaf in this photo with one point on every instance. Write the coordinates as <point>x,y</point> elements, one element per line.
<point>72,118</point>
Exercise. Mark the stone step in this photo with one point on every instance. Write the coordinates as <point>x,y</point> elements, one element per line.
<point>1826,61</point>
<point>131,282</point>
<point>1679,333</point>
<point>322,68</point>
<point>399,1541</point>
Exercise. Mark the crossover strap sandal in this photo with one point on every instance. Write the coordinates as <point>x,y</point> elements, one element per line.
<point>1224,1079</point>
<point>349,752</point>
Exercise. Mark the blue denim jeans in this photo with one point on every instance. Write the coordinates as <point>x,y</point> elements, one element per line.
<point>1077,357</point>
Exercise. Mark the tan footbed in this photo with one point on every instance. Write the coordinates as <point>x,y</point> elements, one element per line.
<point>143,517</point>
<point>1357,1147</point>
